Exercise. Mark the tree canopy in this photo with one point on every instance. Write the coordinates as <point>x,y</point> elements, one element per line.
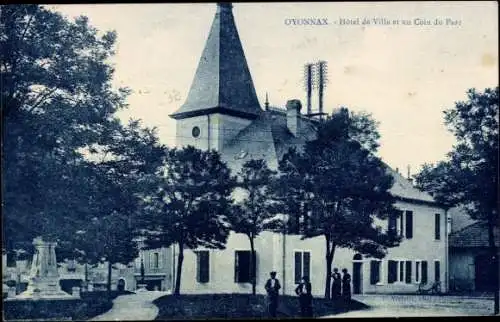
<point>336,188</point>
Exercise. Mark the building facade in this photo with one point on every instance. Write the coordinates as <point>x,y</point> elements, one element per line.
<point>222,112</point>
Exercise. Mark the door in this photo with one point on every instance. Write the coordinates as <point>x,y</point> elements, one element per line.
<point>121,285</point>
<point>484,273</point>
<point>357,277</point>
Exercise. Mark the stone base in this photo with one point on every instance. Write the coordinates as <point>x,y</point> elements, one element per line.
<point>44,289</point>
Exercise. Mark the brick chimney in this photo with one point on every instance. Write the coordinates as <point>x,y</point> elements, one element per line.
<point>292,115</point>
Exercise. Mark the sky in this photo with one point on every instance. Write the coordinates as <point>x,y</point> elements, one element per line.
<point>404,74</point>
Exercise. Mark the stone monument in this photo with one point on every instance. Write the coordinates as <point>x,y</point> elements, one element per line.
<point>44,277</point>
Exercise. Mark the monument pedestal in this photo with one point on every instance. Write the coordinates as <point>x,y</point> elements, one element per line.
<point>44,277</point>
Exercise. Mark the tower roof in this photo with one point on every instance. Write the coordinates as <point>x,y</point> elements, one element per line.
<point>222,82</point>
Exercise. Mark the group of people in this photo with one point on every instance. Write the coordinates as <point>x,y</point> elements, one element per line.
<point>341,289</point>
<point>341,285</point>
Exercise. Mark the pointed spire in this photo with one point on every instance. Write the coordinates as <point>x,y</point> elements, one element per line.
<point>222,82</point>
<point>266,104</point>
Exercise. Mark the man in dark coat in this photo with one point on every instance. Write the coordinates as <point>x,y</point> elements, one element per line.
<point>337,284</point>
<point>346,285</point>
<point>303,290</point>
<point>272,288</point>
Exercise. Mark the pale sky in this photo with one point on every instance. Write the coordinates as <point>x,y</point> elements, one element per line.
<point>405,75</point>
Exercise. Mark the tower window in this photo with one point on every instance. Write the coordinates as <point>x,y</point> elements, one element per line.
<point>196,132</point>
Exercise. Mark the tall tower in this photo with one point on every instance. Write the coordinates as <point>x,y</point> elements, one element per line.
<point>222,98</point>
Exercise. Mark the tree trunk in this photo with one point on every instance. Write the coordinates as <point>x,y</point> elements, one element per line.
<point>109,279</point>
<point>494,259</point>
<point>252,264</point>
<point>329,260</point>
<point>180,259</point>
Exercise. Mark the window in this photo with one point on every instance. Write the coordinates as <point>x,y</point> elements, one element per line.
<point>195,132</point>
<point>155,260</point>
<point>374,272</point>
<point>409,224</point>
<point>401,271</point>
<point>401,223</point>
<point>302,265</point>
<point>424,272</point>
<point>242,270</point>
<point>437,226</point>
<point>392,227</point>
<point>417,271</point>
<point>408,272</point>
<point>437,271</point>
<point>202,266</point>
<point>392,271</point>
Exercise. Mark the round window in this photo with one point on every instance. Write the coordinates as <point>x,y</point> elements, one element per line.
<point>196,131</point>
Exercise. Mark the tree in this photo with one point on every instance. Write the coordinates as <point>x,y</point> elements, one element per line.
<point>67,158</point>
<point>56,101</point>
<point>256,211</point>
<point>190,205</point>
<point>469,175</point>
<point>336,188</point>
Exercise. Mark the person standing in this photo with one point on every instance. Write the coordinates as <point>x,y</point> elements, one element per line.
<point>346,285</point>
<point>336,285</point>
<point>272,288</point>
<point>303,290</point>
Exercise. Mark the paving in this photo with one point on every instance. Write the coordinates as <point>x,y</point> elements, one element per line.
<point>420,305</point>
<point>138,306</point>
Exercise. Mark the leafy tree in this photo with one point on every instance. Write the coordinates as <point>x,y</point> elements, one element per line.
<point>335,188</point>
<point>256,211</point>
<point>66,156</point>
<point>190,205</point>
<point>56,101</point>
<point>469,176</point>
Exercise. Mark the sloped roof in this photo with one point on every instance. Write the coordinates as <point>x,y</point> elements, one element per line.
<point>403,188</point>
<point>222,82</point>
<point>475,235</point>
<point>267,138</point>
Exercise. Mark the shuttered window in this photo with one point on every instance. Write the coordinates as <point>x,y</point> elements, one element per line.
<point>392,271</point>
<point>437,271</point>
<point>408,272</point>
<point>437,226</point>
<point>242,266</point>
<point>202,266</point>
<point>302,265</point>
<point>424,272</point>
<point>374,272</point>
<point>401,222</point>
<point>401,271</point>
<point>417,272</point>
<point>409,224</point>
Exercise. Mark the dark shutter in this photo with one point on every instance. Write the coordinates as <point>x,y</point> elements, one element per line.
<point>244,266</point>
<point>374,272</point>
<point>424,272</point>
<point>203,266</point>
<point>417,271</point>
<point>401,271</point>
<point>298,267</point>
<point>437,224</point>
<point>392,271</point>
<point>307,264</point>
<point>437,271</point>
<point>409,224</point>
<point>408,272</point>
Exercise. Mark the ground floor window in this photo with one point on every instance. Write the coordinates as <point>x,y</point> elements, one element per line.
<point>202,266</point>
<point>437,271</point>
<point>242,269</point>
<point>375,272</point>
<point>302,265</point>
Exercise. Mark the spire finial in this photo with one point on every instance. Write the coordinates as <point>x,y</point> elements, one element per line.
<point>266,104</point>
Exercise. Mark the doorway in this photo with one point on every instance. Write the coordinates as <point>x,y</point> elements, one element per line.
<point>121,285</point>
<point>484,273</point>
<point>357,274</point>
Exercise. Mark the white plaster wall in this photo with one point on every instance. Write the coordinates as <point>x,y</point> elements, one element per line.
<point>215,130</point>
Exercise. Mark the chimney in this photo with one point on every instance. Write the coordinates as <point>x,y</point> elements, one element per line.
<point>292,115</point>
